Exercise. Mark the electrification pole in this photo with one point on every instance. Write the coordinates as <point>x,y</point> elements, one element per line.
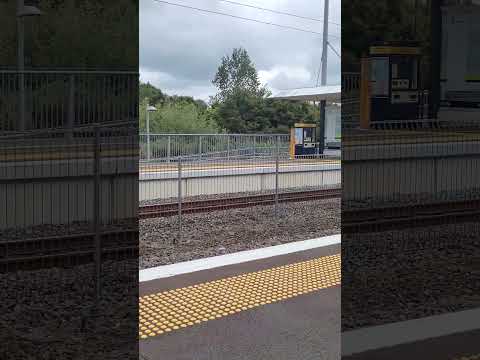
<point>323,80</point>
<point>325,44</point>
<point>21,65</point>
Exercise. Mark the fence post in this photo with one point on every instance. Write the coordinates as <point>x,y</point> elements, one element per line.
<point>254,146</point>
<point>169,144</point>
<point>148,147</point>
<point>179,200</point>
<point>277,168</point>
<point>228,147</point>
<point>200,147</point>
<point>71,105</point>
<point>96,215</point>
<point>148,133</point>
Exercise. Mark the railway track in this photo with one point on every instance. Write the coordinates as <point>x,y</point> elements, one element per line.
<point>66,250</point>
<point>198,206</point>
<point>409,216</point>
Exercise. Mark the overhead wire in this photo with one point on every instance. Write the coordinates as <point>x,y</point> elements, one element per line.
<point>320,67</point>
<point>277,11</point>
<point>333,49</point>
<point>244,18</point>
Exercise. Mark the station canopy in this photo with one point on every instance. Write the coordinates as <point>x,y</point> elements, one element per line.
<point>330,93</point>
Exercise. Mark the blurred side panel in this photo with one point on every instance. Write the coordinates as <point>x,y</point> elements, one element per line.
<point>410,179</point>
<point>69,180</point>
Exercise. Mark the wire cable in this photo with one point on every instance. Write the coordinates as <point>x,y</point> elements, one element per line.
<point>320,67</point>
<point>244,18</point>
<point>333,49</point>
<point>318,74</point>
<point>277,12</point>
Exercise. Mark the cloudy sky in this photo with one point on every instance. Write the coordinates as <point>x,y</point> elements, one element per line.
<point>181,49</point>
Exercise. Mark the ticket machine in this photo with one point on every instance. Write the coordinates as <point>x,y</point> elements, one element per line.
<point>303,140</point>
<point>394,82</point>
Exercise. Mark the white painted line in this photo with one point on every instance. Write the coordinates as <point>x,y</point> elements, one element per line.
<point>384,336</point>
<point>235,258</point>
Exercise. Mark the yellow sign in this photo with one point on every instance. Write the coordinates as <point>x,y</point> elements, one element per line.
<point>472,78</point>
<point>302,125</point>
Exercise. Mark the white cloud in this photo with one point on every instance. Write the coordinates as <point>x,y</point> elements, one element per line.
<point>180,49</point>
<point>283,77</point>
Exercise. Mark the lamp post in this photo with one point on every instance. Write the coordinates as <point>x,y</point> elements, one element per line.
<point>150,109</point>
<point>22,12</point>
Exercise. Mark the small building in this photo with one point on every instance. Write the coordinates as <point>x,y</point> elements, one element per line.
<point>329,127</point>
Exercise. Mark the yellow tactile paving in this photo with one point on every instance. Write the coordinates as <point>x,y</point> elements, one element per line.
<point>222,166</point>
<point>175,309</point>
<point>61,154</point>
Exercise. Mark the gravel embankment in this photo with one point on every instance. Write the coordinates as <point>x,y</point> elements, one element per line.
<point>400,275</point>
<point>222,232</point>
<point>47,314</point>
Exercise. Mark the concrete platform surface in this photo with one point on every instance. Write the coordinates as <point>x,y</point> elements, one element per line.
<point>282,307</point>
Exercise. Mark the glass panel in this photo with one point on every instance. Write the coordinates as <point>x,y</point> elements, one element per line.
<point>308,135</point>
<point>379,75</point>
<point>298,136</point>
<point>414,74</point>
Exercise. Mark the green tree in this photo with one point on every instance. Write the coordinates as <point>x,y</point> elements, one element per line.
<point>175,114</point>
<point>243,112</point>
<point>73,33</point>
<point>394,20</point>
<point>242,106</point>
<point>237,73</point>
<point>150,92</point>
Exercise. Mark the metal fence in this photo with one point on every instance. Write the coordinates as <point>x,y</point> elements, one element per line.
<point>350,100</point>
<point>68,197</point>
<point>395,167</point>
<point>410,216</point>
<point>68,239</point>
<point>231,172</point>
<point>47,99</point>
<point>170,147</point>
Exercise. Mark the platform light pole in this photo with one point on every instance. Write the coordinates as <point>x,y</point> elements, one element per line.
<point>150,109</point>
<point>323,79</point>
<point>22,12</point>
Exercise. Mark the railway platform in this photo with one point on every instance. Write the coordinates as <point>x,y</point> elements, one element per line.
<point>450,336</point>
<point>167,170</point>
<point>281,302</point>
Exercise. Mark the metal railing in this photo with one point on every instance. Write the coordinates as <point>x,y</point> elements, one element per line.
<point>231,171</point>
<point>69,197</point>
<point>410,205</point>
<point>47,99</point>
<point>350,83</point>
<point>350,99</point>
<point>395,167</point>
<point>170,147</point>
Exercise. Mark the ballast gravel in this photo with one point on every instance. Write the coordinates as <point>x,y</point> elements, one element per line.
<point>222,232</point>
<point>52,313</point>
<point>402,275</point>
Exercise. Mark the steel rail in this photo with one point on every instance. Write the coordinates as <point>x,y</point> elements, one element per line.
<point>410,216</point>
<point>65,250</point>
<point>198,206</point>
